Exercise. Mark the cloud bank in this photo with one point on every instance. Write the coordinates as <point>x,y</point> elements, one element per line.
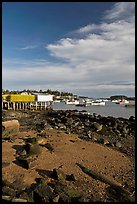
<point>92,64</point>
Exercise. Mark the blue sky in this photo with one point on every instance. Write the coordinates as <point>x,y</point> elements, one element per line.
<point>87,48</point>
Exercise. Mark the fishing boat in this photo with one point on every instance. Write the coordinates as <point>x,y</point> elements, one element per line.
<point>87,101</point>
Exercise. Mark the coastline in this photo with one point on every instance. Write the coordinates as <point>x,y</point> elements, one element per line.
<point>103,144</point>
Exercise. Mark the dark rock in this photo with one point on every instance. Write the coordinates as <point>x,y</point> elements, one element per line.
<point>48,146</point>
<point>41,180</point>
<point>32,149</point>
<point>43,193</point>
<point>132,118</point>
<point>58,188</point>
<point>59,175</point>
<point>100,140</point>
<point>70,177</point>
<point>32,140</point>
<point>25,162</point>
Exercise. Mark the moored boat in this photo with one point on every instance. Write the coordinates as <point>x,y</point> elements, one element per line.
<point>123,102</point>
<point>98,103</point>
<point>68,102</point>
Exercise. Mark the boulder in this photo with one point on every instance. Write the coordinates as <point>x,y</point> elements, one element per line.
<point>58,175</point>
<point>10,128</point>
<point>26,162</point>
<point>33,149</point>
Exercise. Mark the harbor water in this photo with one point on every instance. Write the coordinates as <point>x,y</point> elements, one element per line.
<point>110,109</point>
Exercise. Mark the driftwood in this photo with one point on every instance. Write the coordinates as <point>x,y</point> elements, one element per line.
<point>115,185</point>
<point>10,128</point>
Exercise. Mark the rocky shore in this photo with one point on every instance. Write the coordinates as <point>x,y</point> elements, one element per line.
<point>68,156</point>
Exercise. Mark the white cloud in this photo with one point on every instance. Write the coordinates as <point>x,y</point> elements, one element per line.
<point>28,47</point>
<point>88,28</point>
<point>105,54</point>
<point>121,10</point>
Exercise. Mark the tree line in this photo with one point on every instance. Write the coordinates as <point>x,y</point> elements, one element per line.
<point>48,91</point>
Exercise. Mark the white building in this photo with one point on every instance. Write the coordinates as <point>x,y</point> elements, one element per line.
<point>43,97</point>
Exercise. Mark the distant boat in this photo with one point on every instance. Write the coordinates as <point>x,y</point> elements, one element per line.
<point>57,101</point>
<point>105,100</point>
<point>99,100</point>
<point>115,101</point>
<point>98,103</point>
<point>87,101</point>
<point>124,101</point>
<point>73,102</point>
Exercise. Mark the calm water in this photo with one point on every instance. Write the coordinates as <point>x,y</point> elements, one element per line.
<point>110,109</point>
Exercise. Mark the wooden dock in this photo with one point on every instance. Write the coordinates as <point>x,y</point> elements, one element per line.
<point>26,105</point>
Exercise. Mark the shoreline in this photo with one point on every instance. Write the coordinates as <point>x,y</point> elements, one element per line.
<point>102,144</point>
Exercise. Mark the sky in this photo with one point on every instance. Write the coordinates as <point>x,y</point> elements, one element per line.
<point>86,48</point>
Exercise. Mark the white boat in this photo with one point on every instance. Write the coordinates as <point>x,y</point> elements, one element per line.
<point>105,100</point>
<point>99,100</point>
<point>68,102</point>
<point>57,101</point>
<point>124,101</point>
<point>98,103</point>
<point>87,101</point>
<point>115,101</point>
